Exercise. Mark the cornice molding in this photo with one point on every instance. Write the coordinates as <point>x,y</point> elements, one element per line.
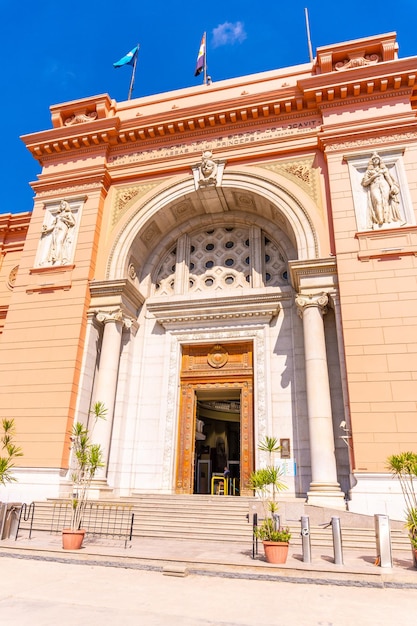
<point>313,276</point>
<point>258,308</point>
<point>115,291</point>
<point>397,78</point>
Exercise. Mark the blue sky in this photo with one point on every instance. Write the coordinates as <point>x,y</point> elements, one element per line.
<point>55,52</point>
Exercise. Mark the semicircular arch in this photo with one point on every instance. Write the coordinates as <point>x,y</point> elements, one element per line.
<point>255,196</point>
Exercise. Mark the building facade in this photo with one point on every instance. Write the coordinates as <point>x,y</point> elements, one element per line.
<point>218,264</point>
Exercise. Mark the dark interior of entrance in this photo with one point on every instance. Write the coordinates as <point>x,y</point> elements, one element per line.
<point>217,444</point>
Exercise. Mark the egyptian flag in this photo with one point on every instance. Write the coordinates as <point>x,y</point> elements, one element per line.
<point>201,59</point>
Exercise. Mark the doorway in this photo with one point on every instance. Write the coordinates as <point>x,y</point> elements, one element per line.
<point>217,441</point>
<point>215,425</point>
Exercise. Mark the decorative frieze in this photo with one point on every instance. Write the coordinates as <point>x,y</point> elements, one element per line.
<point>287,129</point>
<point>80,118</point>
<point>357,61</point>
<point>251,309</point>
<point>397,138</point>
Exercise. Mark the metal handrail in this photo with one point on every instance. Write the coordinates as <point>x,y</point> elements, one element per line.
<point>26,512</point>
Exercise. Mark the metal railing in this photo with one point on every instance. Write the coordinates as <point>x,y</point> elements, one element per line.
<point>27,513</point>
<point>99,519</point>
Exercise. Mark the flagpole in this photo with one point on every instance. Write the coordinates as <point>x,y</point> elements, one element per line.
<point>205,58</point>
<point>132,80</point>
<point>310,50</point>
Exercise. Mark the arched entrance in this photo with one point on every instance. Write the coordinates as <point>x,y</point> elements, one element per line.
<point>215,426</point>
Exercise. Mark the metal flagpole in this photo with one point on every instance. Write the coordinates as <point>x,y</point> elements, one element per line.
<point>132,80</point>
<point>310,50</point>
<point>205,58</point>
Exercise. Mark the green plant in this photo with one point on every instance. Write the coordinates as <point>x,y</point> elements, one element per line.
<point>404,467</point>
<point>267,531</point>
<point>87,459</point>
<point>12,452</point>
<point>411,526</point>
<point>267,483</point>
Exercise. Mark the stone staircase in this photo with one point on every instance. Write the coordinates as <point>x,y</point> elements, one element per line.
<point>227,518</point>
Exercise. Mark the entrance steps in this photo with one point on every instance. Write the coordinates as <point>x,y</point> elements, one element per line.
<point>228,518</point>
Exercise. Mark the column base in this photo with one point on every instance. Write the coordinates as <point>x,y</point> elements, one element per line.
<point>99,489</point>
<point>327,495</point>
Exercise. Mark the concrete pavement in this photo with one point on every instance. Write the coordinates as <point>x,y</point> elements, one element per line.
<point>44,593</point>
<point>226,560</point>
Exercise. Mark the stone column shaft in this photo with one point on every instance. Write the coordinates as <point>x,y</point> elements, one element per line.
<point>106,384</point>
<point>323,460</point>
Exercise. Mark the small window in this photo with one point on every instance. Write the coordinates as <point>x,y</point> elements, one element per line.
<point>210,246</point>
<point>209,282</point>
<point>229,262</point>
<point>209,264</point>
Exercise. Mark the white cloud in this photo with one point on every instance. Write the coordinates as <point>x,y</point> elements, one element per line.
<point>228,33</point>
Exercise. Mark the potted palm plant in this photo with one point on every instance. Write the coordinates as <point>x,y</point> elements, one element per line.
<point>267,482</point>
<point>87,458</point>
<point>404,467</point>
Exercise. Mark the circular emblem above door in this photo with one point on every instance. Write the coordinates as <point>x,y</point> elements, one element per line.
<point>217,357</point>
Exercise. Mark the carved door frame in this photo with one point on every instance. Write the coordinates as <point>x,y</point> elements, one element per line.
<point>214,381</point>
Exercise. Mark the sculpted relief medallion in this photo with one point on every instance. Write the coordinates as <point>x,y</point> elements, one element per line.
<point>217,357</point>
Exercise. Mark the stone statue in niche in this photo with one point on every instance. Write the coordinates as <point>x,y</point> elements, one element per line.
<point>59,232</point>
<point>208,170</point>
<point>383,194</point>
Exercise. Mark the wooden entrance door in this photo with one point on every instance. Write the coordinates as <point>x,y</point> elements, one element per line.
<point>217,368</point>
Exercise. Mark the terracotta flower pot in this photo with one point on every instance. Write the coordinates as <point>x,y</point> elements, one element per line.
<point>72,539</point>
<point>276,551</point>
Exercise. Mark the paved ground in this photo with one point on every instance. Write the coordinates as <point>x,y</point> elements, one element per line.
<point>42,592</point>
<point>229,560</point>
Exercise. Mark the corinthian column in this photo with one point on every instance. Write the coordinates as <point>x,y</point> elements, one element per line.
<point>106,384</point>
<point>324,488</point>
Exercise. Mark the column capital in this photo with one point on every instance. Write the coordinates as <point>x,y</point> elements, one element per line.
<point>318,300</point>
<point>114,316</point>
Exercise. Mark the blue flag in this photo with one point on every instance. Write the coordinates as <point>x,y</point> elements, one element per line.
<point>128,59</point>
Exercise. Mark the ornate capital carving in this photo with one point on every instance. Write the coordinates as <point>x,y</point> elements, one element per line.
<point>114,316</point>
<point>319,300</point>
